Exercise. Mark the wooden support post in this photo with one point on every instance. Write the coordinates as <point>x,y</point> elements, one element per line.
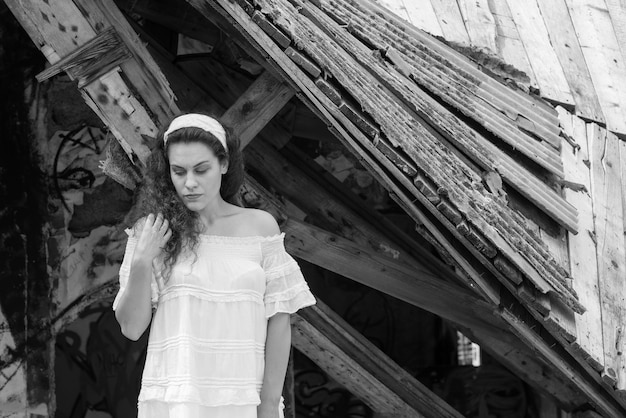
<point>110,97</point>
<point>606,192</point>
<point>257,106</point>
<point>582,254</point>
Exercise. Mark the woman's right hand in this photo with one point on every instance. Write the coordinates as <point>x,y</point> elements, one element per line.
<point>153,236</point>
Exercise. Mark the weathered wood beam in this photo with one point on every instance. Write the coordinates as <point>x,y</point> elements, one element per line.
<point>58,28</point>
<point>418,287</point>
<point>257,106</point>
<point>607,189</point>
<point>583,263</point>
<point>360,366</point>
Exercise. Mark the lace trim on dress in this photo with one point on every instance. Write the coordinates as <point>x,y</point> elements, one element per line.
<point>218,396</point>
<point>198,292</point>
<point>303,299</point>
<point>281,270</point>
<point>223,239</point>
<point>206,345</point>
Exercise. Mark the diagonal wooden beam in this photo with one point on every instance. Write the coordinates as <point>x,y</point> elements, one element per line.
<point>257,106</point>
<point>362,368</point>
<point>419,287</point>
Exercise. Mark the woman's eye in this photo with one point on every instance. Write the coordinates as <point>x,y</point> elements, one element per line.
<point>179,173</point>
<point>201,171</point>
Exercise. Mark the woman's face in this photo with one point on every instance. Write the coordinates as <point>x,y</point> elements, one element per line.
<point>196,174</point>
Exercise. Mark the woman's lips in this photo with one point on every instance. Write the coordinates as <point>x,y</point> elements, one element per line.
<point>192,196</point>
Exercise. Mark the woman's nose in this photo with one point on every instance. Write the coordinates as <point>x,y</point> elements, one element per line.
<point>190,181</point>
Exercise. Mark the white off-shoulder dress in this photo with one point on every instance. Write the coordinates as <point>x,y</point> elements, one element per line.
<point>206,350</point>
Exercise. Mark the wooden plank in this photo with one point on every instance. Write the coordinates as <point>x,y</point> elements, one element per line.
<point>63,28</point>
<point>363,368</point>
<point>451,21</point>
<point>617,11</point>
<point>257,106</point>
<point>565,43</point>
<point>606,192</point>
<point>480,24</point>
<point>582,255</point>
<point>543,59</point>
<point>416,286</point>
<point>510,46</point>
<point>607,67</point>
<point>142,72</point>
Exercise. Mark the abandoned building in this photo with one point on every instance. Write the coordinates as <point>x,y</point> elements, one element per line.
<point>449,175</point>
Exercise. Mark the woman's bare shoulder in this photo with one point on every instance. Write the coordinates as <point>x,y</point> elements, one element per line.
<point>260,222</point>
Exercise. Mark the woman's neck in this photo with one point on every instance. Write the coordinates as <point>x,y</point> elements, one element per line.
<point>213,211</point>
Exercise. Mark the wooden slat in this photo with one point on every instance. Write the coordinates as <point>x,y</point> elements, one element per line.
<point>60,28</point>
<point>603,57</point>
<point>617,11</point>
<point>363,368</point>
<point>451,21</point>
<point>565,43</point>
<point>257,106</point>
<point>416,286</point>
<point>582,257</point>
<point>480,23</point>
<point>510,46</point>
<point>543,59</point>
<point>606,191</point>
<point>142,72</point>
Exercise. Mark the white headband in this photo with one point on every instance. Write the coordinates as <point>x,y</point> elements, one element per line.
<point>195,120</point>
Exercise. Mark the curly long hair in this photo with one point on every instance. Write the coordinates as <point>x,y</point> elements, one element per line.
<point>157,194</point>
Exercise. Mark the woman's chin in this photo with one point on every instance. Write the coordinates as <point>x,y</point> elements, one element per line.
<point>194,206</point>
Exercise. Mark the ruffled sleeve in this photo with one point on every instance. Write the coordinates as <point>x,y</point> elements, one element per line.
<point>285,288</point>
<point>125,271</point>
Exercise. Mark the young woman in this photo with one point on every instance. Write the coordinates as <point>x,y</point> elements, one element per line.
<point>216,276</point>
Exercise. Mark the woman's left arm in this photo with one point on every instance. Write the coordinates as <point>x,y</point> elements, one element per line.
<point>277,347</point>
